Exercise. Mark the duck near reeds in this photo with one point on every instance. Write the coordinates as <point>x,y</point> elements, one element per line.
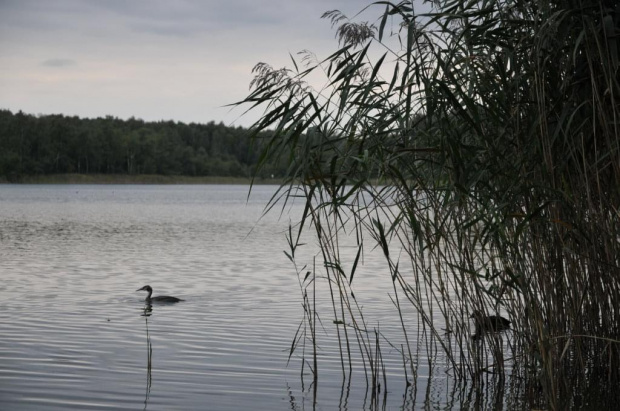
<point>488,324</point>
<point>159,298</point>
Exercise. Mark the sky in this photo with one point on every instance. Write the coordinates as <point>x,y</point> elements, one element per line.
<point>181,60</point>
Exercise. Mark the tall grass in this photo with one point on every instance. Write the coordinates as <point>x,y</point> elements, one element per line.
<point>478,146</point>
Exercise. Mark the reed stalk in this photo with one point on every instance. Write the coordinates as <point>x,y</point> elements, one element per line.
<point>478,146</point>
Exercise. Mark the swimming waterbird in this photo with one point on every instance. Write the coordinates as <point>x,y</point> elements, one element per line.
<point>159,298</point>
<point>488,324</point>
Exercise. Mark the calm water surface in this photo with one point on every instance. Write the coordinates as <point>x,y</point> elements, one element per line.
<point>75,334</point>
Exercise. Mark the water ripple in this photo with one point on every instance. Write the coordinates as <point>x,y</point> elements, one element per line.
<point>75,334</point>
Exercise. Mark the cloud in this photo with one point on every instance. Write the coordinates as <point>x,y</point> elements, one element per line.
<point>183,59</point>
<point>59,63</point>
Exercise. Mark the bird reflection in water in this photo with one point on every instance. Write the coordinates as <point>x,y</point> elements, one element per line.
<point>146,313</point>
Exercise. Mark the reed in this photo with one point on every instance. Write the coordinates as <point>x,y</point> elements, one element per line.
<point>478,146</point>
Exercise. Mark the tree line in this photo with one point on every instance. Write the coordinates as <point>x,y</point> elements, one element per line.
<point>54,144</point>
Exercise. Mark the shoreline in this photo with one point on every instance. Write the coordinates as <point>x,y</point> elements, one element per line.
<point>133,179</point>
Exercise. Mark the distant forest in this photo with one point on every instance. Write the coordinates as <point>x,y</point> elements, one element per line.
<point>55,144</point>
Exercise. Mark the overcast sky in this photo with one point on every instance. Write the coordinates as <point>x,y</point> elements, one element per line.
<point>152,59</point>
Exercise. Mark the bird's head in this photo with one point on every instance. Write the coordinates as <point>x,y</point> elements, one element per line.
<point>476,314</point>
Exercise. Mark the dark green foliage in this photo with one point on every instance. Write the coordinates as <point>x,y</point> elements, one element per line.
<point>53,144</point>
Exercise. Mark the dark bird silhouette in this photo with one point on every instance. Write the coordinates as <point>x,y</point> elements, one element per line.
<point>488,324</point>
<point>159,298</point>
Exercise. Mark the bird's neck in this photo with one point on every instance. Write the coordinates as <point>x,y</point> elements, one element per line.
<point>148,297</point>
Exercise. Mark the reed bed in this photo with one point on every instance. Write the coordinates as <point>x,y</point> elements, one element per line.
<point>477,146</point>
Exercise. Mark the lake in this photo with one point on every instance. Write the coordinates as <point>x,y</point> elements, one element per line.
<point>76,334</point>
